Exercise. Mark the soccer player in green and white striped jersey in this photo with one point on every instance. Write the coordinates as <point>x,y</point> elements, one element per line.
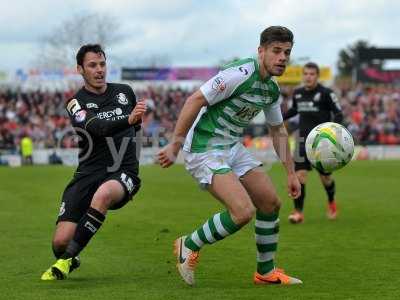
<point>211,123</point>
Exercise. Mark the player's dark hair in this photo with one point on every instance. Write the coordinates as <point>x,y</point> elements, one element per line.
<point>276,34</point>
<point>311,65</point>
<point>95,48</point>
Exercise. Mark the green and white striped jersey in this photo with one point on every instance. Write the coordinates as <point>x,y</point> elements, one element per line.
<point>235,96</point>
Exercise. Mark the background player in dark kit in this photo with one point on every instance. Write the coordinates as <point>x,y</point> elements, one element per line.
<point>315,104</point>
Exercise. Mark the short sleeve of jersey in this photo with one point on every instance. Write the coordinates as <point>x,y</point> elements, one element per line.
<point>273,113</point>
<point>226,82</point>
<point>78,115</point>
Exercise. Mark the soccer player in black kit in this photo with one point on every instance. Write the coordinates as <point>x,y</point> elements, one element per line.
<point>106,116</point>
<point>315,104</point>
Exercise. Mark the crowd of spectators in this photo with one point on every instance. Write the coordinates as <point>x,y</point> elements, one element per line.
<point>39,115</point>
<point>372,114</point>
<point>164,105</point>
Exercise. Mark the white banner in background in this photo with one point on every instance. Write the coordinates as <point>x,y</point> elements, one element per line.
<point>69,157</point>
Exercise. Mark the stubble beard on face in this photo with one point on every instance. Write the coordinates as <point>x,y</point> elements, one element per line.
<point>277,73</point>
<point>91,83</point>
<point>280,73</point>
<point>98,86</point>
<point>272,72</point>
<point>93,86</point>
<point>311,85</point>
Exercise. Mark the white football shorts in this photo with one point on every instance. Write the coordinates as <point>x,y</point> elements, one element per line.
<point>202,166</point>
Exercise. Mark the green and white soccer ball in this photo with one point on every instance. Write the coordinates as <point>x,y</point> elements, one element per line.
<point>329,147</point>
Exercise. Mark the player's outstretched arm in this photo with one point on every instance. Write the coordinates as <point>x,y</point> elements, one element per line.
<point>87,120</point>
<point>280,140</point>
<point>99,127</point>
<point>167,156</point>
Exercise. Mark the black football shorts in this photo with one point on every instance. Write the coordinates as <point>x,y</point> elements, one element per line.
<point>79,192</point>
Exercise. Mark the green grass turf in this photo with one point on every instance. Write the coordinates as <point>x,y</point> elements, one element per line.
<point>354,257</point>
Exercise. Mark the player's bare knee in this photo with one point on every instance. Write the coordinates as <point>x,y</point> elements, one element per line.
<point>102,199</point>
<point>60,242</point>
<point>302,176</point>
<point>273,205</point>
<point>326,179</point>
<point>243,214</point>
<point>276,205</point>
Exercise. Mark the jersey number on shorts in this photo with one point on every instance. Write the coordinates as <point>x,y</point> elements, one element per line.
<point>127,181</point>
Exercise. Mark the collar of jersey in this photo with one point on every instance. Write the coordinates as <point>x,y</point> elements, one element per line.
<point>94,94</point>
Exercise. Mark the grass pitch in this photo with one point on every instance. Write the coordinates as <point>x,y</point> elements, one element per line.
<point>354,257</point>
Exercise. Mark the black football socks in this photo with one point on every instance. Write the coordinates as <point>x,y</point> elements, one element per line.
<point>330,191</point>
<point>88,225</point>
<point>299,201</point>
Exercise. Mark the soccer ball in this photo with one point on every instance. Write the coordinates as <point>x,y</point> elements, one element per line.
<point>329,147</point>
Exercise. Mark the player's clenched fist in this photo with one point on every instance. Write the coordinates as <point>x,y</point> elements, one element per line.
<point>137,113</point>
